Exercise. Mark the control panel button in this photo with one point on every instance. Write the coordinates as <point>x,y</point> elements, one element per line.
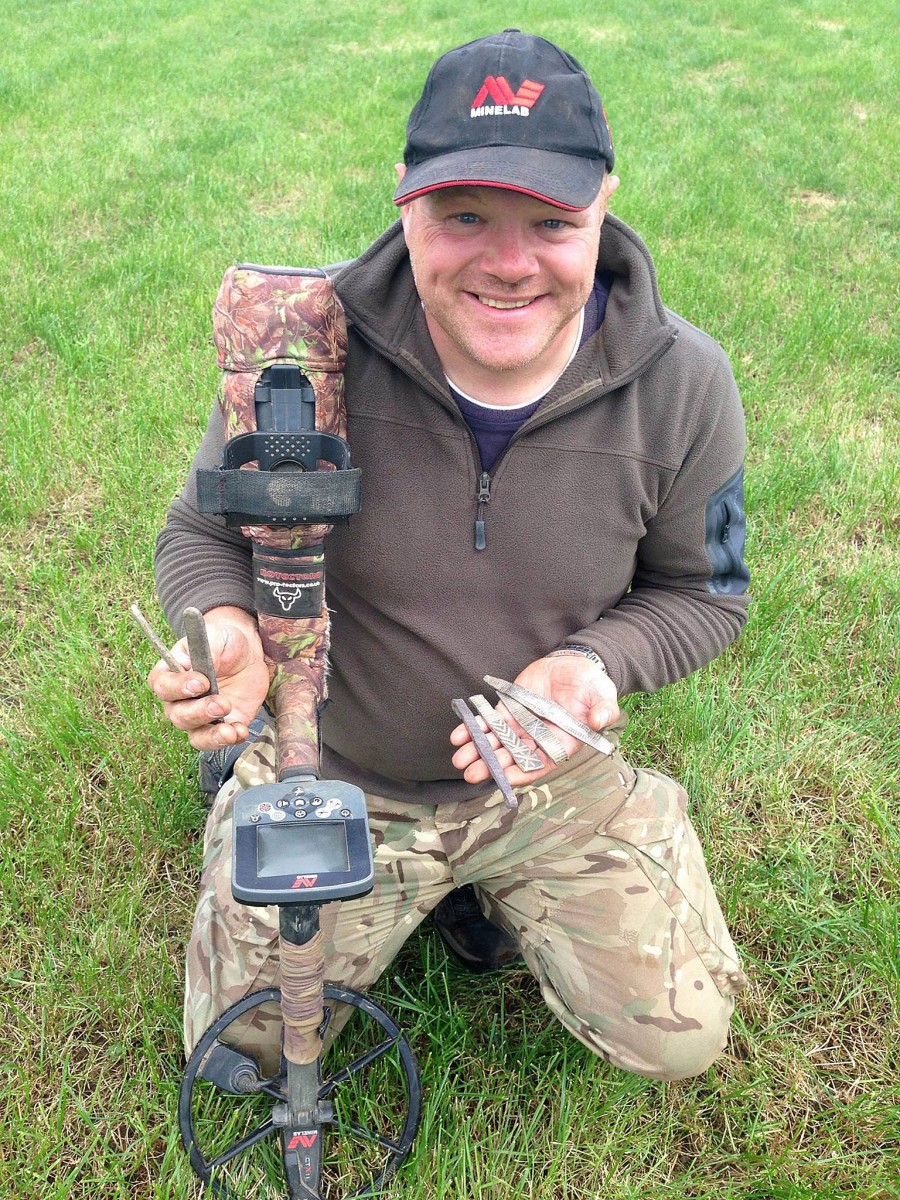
<point>329,808</point>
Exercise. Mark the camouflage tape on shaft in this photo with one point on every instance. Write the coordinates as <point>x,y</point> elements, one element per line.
<point>263,316</point>
<point>302,984</point>
<point>295,694</point>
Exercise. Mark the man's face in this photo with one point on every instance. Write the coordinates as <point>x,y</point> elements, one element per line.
<point>502,276</point>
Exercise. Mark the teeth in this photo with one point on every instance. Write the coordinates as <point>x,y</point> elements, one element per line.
<point>503,303</point>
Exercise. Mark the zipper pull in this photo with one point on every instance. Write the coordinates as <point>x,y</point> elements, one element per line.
<point>483,497</point>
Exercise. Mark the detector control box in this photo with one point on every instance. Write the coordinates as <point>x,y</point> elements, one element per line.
<point>301,843</point>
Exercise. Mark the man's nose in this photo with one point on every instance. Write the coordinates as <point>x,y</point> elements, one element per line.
<point>509,256</point>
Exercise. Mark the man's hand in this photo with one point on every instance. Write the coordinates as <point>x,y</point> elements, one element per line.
<point>242,675</point>
<point>572,680</point>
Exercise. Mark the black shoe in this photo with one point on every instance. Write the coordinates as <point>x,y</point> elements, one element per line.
<point>471,938</point>
<point>215,767</point>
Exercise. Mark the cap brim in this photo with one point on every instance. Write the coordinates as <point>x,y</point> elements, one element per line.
<point>563,180</point>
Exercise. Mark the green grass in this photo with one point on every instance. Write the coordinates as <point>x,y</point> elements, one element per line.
<point>145,148</point>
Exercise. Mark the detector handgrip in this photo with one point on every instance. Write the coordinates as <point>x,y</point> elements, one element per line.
<point>293,697</point>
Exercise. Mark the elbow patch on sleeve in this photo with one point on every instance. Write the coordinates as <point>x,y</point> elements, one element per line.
<point>726,527</point>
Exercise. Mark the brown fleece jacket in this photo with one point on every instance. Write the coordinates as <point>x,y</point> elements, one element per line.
<point>605,523</point>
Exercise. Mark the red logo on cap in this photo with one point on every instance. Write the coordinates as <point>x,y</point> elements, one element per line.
<point>499,90</point>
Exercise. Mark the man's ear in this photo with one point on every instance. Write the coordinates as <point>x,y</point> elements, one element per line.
<point>612,183</point>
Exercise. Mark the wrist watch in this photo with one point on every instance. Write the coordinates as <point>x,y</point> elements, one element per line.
<point>583,651</point>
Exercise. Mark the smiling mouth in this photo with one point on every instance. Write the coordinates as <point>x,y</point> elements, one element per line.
<point>503,303</point>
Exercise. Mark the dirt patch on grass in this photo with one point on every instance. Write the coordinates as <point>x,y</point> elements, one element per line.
<point>714,77</point>
<point>817,202</point>
<point>282,204</point>
<point>402,45</point>
<point>28,351</point>
<point>611,33</point>
<point>58,518</point>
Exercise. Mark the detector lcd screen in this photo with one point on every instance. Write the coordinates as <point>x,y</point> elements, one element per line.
<point>316,847</point>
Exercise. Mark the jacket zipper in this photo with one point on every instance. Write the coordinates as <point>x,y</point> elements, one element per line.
<point>735,560</point>
<point>483,498</point>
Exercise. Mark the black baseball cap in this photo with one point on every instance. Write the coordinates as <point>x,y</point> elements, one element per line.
<point>509,111</point>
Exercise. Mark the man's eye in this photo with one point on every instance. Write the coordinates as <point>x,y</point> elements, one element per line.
<point>553,223</point>
<point>466,218</point>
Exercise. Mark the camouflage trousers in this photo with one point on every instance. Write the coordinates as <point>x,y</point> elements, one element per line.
<point>599,876</point>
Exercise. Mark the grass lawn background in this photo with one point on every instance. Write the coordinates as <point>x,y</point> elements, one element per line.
<point>145,147</point>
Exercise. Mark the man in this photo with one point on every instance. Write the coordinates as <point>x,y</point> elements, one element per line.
<point>552,469</point>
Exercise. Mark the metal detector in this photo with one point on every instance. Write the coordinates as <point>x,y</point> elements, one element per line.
<point>337,1123</point>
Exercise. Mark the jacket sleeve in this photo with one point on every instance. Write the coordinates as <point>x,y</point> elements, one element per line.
<point>198,560</point>
<point>687,601</point>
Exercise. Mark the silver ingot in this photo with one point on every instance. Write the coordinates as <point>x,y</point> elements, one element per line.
<point>535,727</point>
<point>485,751</point>
<point>550,711</point>
<point>526,758</point>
